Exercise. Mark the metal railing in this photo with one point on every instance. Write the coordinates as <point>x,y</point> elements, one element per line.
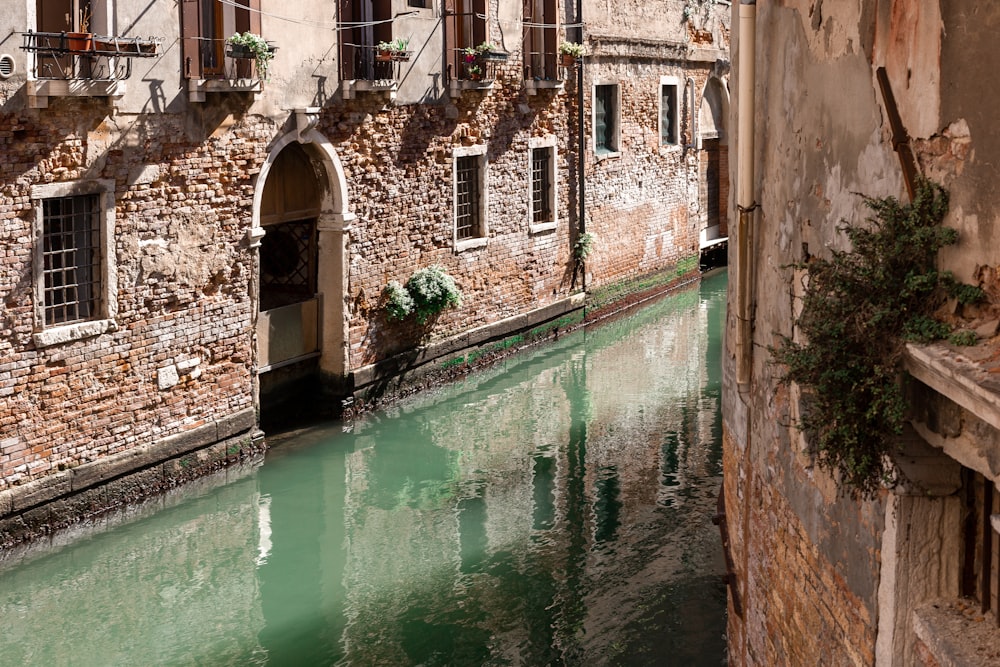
<point>68,55</point>
<point>364,62</point>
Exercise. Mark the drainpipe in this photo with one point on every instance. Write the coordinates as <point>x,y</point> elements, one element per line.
<point>581,140</point>
<point>745,203</point>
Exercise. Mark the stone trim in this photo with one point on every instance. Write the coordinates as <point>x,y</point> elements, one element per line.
<point>953,638</point>
<point>59,486</point>
<point>365,376</point>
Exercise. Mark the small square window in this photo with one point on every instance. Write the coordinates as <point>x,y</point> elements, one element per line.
<point>606,119</point>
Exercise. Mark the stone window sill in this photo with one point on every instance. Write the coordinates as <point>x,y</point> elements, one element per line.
<point>543,227</point>
<point>953,632</point>
<point>71,332</point>
<point>198,88</point>
<point>469,244</point>
<point>352,87</point>
<point>609,155</point>
<point>39,91</point>
<point>532,86</point>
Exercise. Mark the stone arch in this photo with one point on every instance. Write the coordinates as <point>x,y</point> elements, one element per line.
<point>713,139</point>
<point>714,110</point>
<point>332,230</point>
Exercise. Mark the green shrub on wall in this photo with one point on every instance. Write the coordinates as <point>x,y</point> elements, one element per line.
<point>428,292</point>
<point>858,310</point>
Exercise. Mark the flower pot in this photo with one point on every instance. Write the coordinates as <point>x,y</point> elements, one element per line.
<point>383,56</point>
<point>79,41</point>
<point>567,60</point>
<point>493,56</point>
<point>239,52</point>
<point>401,56</point>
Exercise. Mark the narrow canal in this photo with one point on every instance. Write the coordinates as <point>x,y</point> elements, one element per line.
<point>553,510</point>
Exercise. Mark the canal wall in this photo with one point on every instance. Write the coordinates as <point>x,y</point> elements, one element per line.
<point>906,574</point>
<point>178,234</point>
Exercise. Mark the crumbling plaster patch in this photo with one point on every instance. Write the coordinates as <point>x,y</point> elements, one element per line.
<point>189,255</point>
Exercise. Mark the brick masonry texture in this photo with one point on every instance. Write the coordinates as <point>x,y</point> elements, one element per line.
<point>181,351</point>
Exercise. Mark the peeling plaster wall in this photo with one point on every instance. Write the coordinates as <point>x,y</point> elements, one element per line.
<point>822,137</point>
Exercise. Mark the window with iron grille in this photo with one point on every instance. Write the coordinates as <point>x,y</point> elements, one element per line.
<point>668,114</point>
<point>606,119</point>
<point>71,259</point>
<point>468,210</point>
<point>541,185</point>
<point>75,279</point>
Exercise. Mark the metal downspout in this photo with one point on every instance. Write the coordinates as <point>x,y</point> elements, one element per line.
<point>745,203</point>
<point>581,140</point>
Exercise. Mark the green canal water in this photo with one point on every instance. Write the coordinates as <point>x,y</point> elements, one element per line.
<point>553,510</point>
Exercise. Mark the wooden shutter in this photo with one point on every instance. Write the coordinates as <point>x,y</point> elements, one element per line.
<point>551,21</point>
<point>190,44</point>
<point>382,11</point>
<point>450,38</point>
<point>479,32</point>
<point>346,38</point>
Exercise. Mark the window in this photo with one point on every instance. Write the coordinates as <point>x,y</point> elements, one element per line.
<point>205,25</point>
<point>540,33</point>
<point>470,197</point>
<point>371,22</point>
<point>75,283</point>
<point>669,112</point>
<point>465,25</point>
<point>542,183</point>
<point>71,258</point>
<point>606,120</point>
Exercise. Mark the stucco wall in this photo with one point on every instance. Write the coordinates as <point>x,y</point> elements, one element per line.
<point>810,560</point>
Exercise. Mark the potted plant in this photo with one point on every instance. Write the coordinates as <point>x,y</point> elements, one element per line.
<point>394,50</point>
<point>570,52</point>
<point>82,39</point>
<point>490,51</point>
<point>247,45</point>
<point>475,72</point>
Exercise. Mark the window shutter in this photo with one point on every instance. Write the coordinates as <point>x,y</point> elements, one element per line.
<point>190,44</point>
<point>346,37</point>
<point>450,39</point>
<point>551,20</point>
<point>479,32</point>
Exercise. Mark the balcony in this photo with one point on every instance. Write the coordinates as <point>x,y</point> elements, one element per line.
<point>541,72</point>
<point>66,64</point>
<point>225,68</point>
<point>474,68</point>
<point>366,69</point>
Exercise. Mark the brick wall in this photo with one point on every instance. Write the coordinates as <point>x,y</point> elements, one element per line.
<point>183,286</point>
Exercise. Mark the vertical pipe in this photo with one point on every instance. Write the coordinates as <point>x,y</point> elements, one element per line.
<point>581,139</point>
<point>745,189</point>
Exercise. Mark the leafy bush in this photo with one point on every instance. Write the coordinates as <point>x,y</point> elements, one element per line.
<point>432,290</point>
<point>399,303</point>
<point>584,246</point>
<point>858,308</point>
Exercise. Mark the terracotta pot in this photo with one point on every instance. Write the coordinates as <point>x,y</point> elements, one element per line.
<point>79,41</point>
<point>567,60</point>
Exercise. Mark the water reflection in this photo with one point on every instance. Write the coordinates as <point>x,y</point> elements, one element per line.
<point>555,510</point>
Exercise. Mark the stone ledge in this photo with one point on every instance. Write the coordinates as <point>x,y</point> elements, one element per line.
<point>956,635</point>
<point>367,375</point>
<point>52,487</point>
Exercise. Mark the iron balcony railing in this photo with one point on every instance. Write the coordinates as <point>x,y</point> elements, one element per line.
<point>68,55</point>
<point>219,60</point>
<point>366,63</point>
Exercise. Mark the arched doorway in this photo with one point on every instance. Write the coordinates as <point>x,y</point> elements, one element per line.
<point>714,175</point>
<point>288,322</point>
<point>301,227</point>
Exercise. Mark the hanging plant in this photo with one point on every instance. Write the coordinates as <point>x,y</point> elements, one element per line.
<point>249,45</point>
<point>583,247</point>
<point>858,310</point>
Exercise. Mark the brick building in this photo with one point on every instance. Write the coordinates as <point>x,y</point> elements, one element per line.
<point>848,98</point>
<point>189,231</point>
